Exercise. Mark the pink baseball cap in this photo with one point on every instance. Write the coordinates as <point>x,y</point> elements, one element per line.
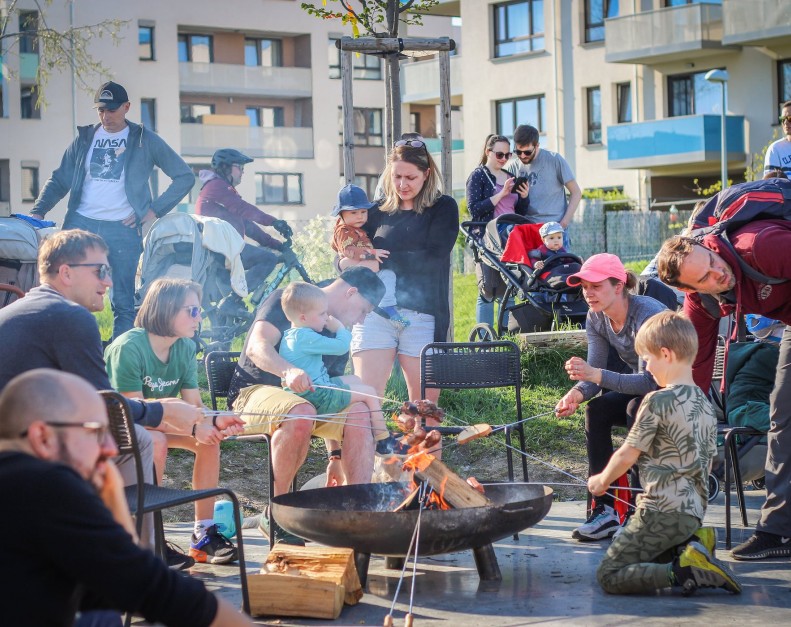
<point>598,268</point>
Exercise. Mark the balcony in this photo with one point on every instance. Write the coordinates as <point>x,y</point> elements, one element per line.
<point>201,140</point>
<point>672,142</point>
<point>756,22</point>
<point>671,34</point>
<point>420,82</point>
<point>458,176</point>
<point>241,80</point>
<point>28,67</point>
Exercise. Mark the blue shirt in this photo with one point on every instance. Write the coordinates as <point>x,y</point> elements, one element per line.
<point>304,348</point>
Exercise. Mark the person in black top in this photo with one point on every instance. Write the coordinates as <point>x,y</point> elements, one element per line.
<point>77,547</point>
<point>418,225</point>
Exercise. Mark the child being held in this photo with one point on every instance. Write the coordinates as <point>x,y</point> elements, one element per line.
<point>673,441</point>
<point>355,248</point>
<point>303,345</point>
<point>552,235</point>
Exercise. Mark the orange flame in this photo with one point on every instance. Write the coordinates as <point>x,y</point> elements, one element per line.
<point>418,462</point>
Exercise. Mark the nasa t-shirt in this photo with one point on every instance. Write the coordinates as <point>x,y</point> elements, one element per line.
<point>103,193</point>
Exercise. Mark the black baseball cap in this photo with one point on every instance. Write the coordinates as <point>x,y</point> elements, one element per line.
<point>367,283</point>
<point>110,95</point>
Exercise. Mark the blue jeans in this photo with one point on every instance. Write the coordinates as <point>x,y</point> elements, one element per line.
<point>484,312</point>
<point>124,245</point>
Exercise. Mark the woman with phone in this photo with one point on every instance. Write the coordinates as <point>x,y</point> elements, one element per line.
<point>492,192</point>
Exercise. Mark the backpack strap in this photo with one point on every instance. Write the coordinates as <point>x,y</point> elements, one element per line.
<point>749,271</point>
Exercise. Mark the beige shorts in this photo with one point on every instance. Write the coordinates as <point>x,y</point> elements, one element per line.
<point>264,407</point>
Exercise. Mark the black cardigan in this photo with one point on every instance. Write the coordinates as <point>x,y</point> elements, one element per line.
<point>480,189</point>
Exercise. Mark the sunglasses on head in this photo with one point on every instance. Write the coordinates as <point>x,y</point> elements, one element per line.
<point>502,155</point>
<point>193,310</point>
<point>103,269</point>
<point>785,118</point>
<point>526,153</point>
<point>413,143</point>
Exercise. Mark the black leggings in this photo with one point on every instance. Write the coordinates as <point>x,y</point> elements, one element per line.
<point>602,413</point>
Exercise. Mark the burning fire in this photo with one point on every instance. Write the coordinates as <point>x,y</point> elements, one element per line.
<point>418,462</point>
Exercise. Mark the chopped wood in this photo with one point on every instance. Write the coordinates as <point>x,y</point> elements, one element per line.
<point>274,594</point>
<point>449,486</point>
<point>474,432</point>
<point>408,500</point>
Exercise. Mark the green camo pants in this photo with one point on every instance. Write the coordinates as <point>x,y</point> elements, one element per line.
<point>630,565</point>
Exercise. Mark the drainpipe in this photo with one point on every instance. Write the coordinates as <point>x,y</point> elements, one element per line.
<point>636,119</point>
<point>555,70</point>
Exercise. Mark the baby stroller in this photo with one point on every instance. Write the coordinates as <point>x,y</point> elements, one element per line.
<point>535,300</point>
<point>20,237</point>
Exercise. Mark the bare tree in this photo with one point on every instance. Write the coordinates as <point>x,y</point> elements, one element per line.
<point>57,49</point>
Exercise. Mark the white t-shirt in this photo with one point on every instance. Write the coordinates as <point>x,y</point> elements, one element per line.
<point>778,157</point>
<point>103,192</point>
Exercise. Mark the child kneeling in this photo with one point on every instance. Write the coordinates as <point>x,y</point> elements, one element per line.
<point>673,441</point>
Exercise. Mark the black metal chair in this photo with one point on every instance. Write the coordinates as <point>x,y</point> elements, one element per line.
<point>476,365</point>
<point>145,498</point>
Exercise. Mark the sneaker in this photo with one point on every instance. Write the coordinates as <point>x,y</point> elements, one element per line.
<point>761,545</point>
<point>281,535</point>
<point>176,558</point>
<point>212,548</point>
<point>696,568</point>
<point>392,446</point>
<point>601,524</point>
<point>622,526</point>
<point>707,536</point>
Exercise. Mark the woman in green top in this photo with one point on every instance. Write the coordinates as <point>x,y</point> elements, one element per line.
<point>156,359</point>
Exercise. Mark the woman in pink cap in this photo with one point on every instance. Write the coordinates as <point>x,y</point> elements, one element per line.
<point>614,317</point>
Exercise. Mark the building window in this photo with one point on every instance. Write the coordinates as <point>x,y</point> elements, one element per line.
<point>596,11</point>
<point>29,183</point>
<point>518,27</point>
<point>367,127</point>
<point>264,52</point>
<point>511,113</point>
<point>692,94</point>
<point>594,114</point>
<point>28,104</point>
<point>414,123</point>
<point>28,31</point>
<point>273,188</point>
<point>268,117</point>
<point>623,94</point>
<point>196,48</point>
<point>191,113</point>
<point>148,113</point>
<point>366,67</point>
<point>145,43</point>
<point>784,80</point>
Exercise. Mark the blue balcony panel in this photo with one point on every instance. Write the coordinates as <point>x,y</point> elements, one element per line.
<point>690,139</point>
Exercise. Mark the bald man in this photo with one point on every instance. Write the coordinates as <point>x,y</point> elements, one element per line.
<point>57,476</point>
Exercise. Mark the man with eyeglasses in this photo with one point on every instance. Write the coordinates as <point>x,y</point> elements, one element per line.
<point>549,176</point>
<point>106,173</point>
<point>778,155</point>
<point>53,327</point>
<point>78,550</point>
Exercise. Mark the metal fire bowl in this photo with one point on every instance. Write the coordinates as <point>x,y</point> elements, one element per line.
<point>361,517</point>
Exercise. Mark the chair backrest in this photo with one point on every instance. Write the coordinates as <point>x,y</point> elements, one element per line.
<point>470,365</point>
<point>220,366</point>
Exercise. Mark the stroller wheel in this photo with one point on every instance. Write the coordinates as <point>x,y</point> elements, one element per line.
<point>714,487</point>
<point>482,332</point>
<point>759,484</point>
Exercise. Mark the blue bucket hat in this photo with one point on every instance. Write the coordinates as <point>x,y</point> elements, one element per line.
<point>350,198</point>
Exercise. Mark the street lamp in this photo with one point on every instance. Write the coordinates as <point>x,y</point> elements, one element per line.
<point>721,77</point>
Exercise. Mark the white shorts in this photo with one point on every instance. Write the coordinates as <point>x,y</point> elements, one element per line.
<point>377,332</point>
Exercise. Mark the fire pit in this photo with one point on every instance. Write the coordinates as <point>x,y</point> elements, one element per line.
<point>361,517</point>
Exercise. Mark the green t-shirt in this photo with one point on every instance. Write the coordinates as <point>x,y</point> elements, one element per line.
<point>677,433</point>
<point>133,367</point>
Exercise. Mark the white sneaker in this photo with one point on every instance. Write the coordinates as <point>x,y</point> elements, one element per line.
<point>602,523</point>
<point>622,526</point>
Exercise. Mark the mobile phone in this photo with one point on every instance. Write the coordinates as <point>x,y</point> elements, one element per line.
<point>519,180</point>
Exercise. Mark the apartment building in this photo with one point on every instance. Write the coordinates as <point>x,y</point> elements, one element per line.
<point>618,87</point>
<point>261,76</point>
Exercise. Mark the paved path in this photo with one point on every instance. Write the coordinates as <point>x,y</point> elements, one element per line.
<point>548,578</point>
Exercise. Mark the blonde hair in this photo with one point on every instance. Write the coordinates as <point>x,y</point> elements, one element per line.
<point>299,298</point>
<point>421,159</point>
<point>670,330</point>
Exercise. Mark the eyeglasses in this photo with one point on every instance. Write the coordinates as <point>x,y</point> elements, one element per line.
<point>97,428</point>
<point>502,155</point>
<point>526,153</point>
<point>193,311</point>
<point>413,143</point>
<point>785,118</point>
<point>104,270</point>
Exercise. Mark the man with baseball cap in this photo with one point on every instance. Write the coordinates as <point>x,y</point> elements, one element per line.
<point>106,172</point>
<point>257,393</point>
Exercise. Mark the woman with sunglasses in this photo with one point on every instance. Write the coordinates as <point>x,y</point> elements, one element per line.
<point>156,359</point>
<point>490,194</point>
<point>418,225</point>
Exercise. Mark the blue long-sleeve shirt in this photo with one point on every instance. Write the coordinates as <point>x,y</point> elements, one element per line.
<point>304,348</point>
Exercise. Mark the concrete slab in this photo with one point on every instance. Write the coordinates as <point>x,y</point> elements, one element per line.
<point>547,578</point>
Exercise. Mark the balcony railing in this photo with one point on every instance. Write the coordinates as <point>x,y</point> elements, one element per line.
<point>201,140</point>
<point>668,34</point>
<point>674,141</point>
<point>420,81</point>
<point>242,80</point>
<point>28,66</point>
<point>755,22</point>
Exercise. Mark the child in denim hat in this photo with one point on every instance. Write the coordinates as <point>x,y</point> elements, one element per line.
<point>552,235</point>
<point>355,248</point>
